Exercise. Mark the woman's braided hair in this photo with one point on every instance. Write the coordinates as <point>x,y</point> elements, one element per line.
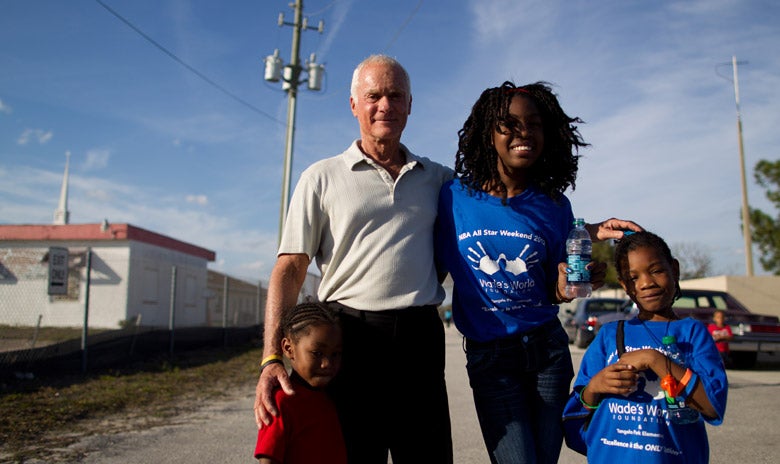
<point>297,320</point>
<point>476,160</point>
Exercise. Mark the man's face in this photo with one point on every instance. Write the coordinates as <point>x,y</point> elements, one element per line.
<point>382,103</point>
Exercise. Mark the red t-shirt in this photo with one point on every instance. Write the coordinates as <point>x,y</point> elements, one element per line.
<point>723,345</point>
<point>307,430</point>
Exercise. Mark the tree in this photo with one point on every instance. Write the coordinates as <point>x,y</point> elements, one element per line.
<point>765,230</point>
<point>605,252</point>
<point>695,261</point>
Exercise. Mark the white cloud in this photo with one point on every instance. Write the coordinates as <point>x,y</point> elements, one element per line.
<point>97,158</point>
<point>5,108</point>
<point>494,21</point>
<point>202,200</point>
<point>99,195</point>
<point>34,134</point>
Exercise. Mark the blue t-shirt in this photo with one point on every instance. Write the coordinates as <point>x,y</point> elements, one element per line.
<point>635,428</point>
<point>503,258</point>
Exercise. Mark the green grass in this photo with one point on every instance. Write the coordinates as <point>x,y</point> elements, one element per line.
<point>39,415</point>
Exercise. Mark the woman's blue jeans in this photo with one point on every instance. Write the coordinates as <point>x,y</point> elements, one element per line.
<point>520,386</point>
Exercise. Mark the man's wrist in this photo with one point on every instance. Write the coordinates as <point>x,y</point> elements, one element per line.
<point>270,359</point>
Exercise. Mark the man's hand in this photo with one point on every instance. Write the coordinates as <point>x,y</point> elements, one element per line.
<point>273,376</point>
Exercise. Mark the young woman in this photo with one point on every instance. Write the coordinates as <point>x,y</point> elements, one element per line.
<point>650,403</point>
<point>501,235</point>
<point>307,428</point>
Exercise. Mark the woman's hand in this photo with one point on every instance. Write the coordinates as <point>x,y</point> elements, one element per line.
<point>598,274</point>
<point>611,228</point>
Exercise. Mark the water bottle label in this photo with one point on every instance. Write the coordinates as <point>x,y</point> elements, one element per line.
<point>577,265</point>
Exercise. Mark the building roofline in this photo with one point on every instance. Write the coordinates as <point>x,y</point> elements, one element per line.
<point>99,232</point>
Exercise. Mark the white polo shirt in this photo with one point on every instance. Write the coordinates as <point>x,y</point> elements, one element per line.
<point>371,236</point>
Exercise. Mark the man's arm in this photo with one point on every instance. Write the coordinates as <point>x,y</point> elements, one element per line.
<point>287,278</point>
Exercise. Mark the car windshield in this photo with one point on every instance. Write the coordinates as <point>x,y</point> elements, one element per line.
<point>701,301</point>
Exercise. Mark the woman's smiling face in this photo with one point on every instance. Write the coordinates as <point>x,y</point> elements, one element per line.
<point>519,140</point>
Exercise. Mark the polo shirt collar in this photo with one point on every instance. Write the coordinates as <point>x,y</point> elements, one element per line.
<point>354,156</point>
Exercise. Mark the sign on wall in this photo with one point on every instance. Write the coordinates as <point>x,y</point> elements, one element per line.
<point>58,271</point>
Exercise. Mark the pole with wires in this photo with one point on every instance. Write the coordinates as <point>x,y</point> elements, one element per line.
<point>745,207</point>
<point>290,75</point>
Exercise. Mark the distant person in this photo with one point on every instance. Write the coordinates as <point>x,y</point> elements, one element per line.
<point>635,398</point>
<point>307,429</point>
<point>448,316</point>
<point>366,217</point>
<point>721,333</point>
<point>501,235</point>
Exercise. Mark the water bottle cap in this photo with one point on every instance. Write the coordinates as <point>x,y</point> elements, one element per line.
<point>669,339</point>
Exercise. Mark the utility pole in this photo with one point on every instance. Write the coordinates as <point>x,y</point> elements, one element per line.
<point>290,81</point>
<point>745,208</point>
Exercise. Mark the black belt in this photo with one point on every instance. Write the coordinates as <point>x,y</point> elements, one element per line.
<point>362,314</point>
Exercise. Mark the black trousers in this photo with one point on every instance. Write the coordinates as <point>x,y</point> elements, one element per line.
<point>390,393</point>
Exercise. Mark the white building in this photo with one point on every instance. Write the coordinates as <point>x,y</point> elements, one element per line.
<point>131,276</point>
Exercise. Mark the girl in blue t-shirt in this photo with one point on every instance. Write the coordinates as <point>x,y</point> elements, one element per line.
<point>501,233</point>
<point>650,403</point>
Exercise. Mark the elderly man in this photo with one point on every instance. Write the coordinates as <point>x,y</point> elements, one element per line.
<point>366,216</point>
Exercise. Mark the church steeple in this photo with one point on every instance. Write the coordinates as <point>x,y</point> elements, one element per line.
<point>61,214</point>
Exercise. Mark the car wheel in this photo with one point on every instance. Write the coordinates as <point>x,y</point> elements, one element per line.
<point>744,359</point>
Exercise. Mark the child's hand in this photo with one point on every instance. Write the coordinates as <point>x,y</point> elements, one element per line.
<point>643,360</point>
<point>616,379</point>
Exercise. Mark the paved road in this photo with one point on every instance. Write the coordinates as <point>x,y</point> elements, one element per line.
<point>224,432</point>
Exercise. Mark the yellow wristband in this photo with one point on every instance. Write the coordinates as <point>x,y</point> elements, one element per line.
<point>273,357</point>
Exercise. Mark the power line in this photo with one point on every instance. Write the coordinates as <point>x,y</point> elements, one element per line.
<point>323,9</point>
<point>190,68</point>
<point>403,26</point>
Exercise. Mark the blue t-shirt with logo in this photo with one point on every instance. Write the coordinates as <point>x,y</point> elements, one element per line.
<point>503,258</point>
<point>636,428</point>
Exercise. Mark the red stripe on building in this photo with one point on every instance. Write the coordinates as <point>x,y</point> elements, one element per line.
<point>96,232</point>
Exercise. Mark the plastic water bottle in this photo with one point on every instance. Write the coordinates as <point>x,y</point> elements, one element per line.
<point>578,250</point>
<point>673,351</point>
<point>679,413</point>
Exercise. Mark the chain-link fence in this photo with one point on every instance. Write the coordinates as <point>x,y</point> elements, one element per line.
<point>110,308</point>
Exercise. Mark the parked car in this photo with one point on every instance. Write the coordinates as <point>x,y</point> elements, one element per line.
<point>753,333</point>
<point>582,317</point>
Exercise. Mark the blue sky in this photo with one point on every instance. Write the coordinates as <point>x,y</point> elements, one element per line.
<point>154,145</point>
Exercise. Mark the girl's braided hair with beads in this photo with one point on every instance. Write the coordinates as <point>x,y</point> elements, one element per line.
<point>476,160</point>
<point>296,321</point>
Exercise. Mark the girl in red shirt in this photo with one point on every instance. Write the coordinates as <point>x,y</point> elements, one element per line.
<point>307,429</point>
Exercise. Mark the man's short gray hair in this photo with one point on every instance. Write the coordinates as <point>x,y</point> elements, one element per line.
<point>378,59</point>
